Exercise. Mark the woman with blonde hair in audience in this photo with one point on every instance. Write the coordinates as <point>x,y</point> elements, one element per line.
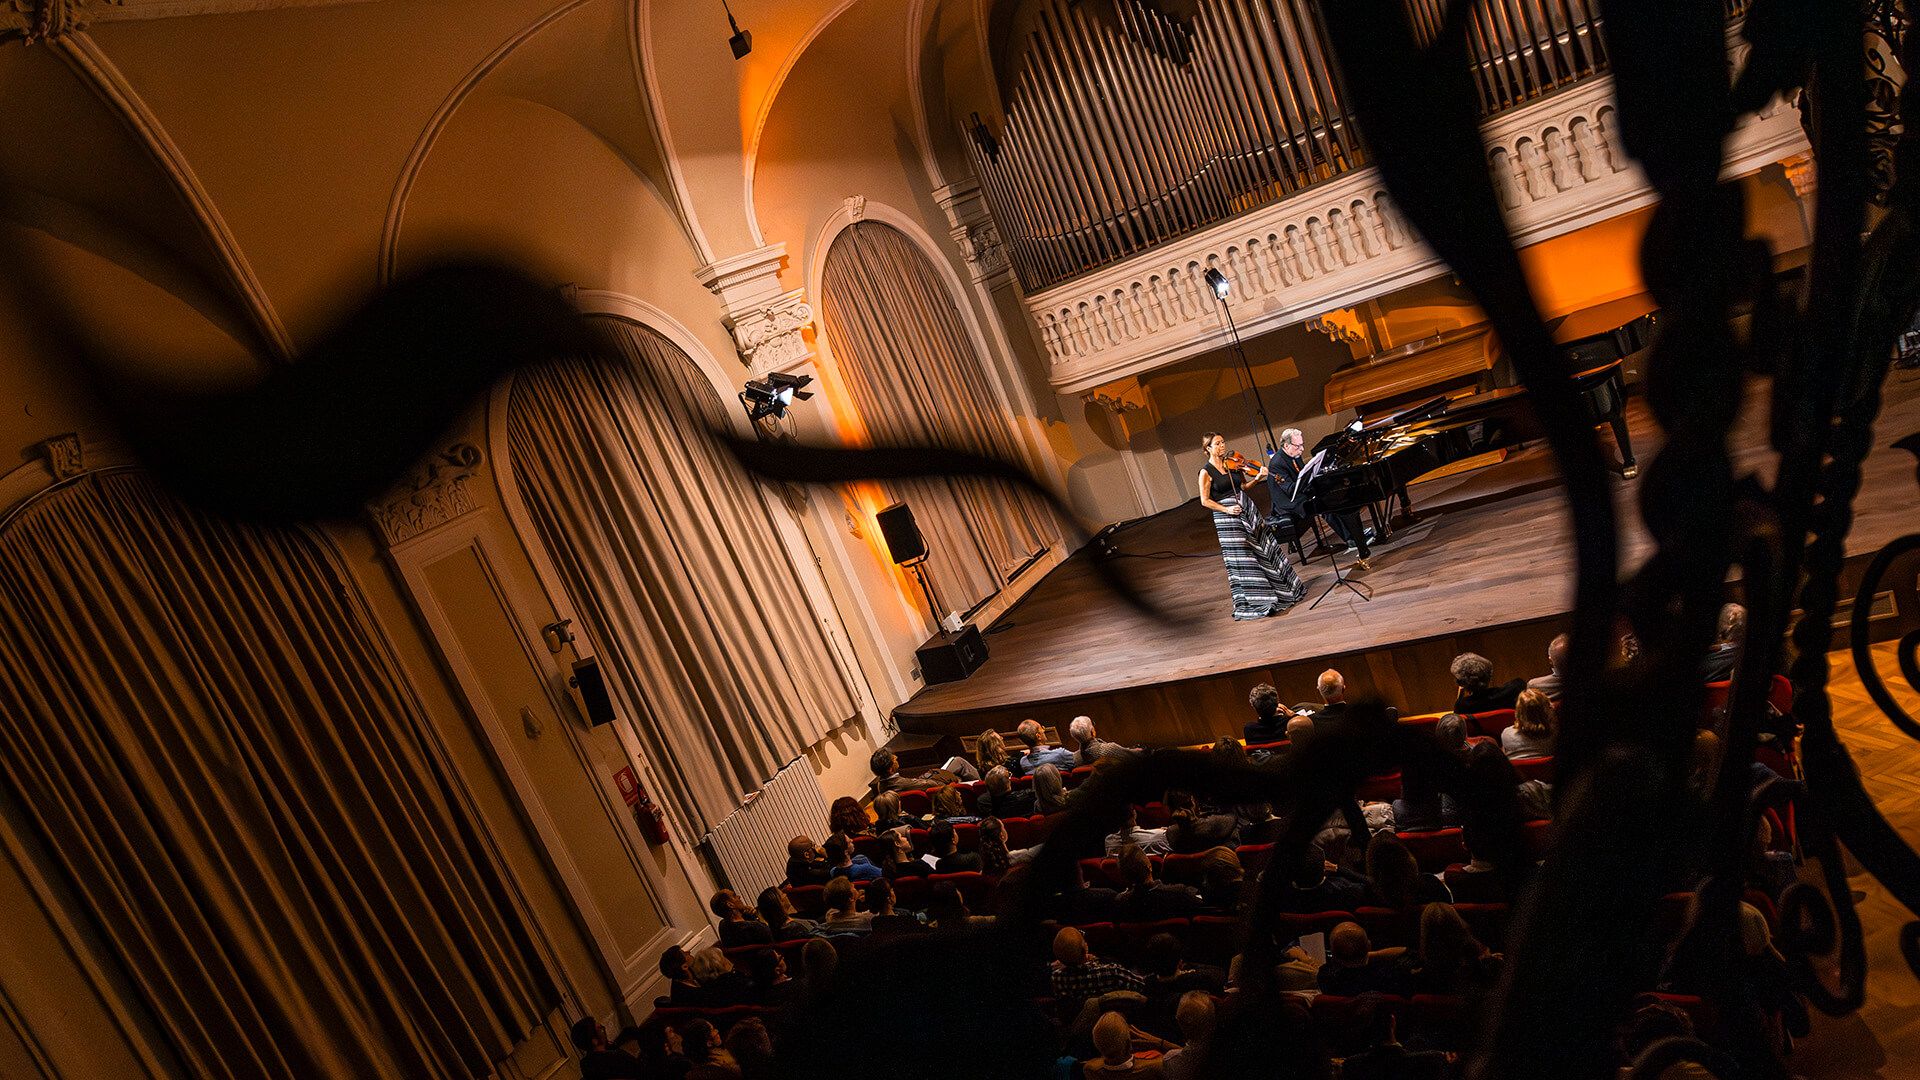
<point>847,816</point>
<point>948,806</point>
<point>720,985</point>
<point>1050,790</point>
<point>1531,733</point>
<point>887,814</point>
<point>991,750</point>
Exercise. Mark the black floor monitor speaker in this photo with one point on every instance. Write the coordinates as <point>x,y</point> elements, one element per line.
<point>951,657</point>
<point>903,538</point>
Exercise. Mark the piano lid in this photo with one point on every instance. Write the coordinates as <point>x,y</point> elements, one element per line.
<point>1414,372</point>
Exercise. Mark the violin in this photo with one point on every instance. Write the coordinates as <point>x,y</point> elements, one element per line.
<point>1234,460</point>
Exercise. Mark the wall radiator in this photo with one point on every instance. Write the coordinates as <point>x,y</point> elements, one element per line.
<point>748,850</point>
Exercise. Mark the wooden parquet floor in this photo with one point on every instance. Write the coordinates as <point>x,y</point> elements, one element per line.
<point>1882,1041</point>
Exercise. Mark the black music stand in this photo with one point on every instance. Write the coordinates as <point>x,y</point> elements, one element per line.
<point>1360,589</point>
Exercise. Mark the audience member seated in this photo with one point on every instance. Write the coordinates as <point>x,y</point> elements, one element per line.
<point>718,986</point>
<point>1223,881</point>
<point>1355,967</point>
<point>843,862</point>
<point>883,920</point>
<point>1424,804</point>
<point>751,1045</point>
<point>1394,878</point>
<point>1087,745</point>
<point>1299,732</point>
<point>657,1047</point>
<point>1450,959</point>
<point>1552,683</point>
<point>1146,899</point>
<point>844,916</point>
<point>1083,902</point>
<point>1039,753</point>
<point>990,752</point>
<point>1723,659</point>
<point>1768,870</point>
<point>1531,733</point>
<point>888,816</point>
<point>846,816</point>
<point>806,863</point>
<point>1473,674</point>
<point>1114,1040</point>
<point>1318,885</point>
<point>1478,881</point>
<point>1269,723</point>
<point>599,1060</point>
<point>1705,776</point>
<point>1000,799</point>
<point>995,859</point>
<point>818,962</point>
<point>1655,1021</point>
<point>711,1061</point>
<point>947,909</point>
<point>738,924</point>
<point>1385,1058</point>
<point>1078,975</point>
<point>772,986</point>
<point>1151,841</point>
<point>777,912</point>
<point>1194,1017</point>
<point>1050,794</point>
<point>941,843</point>
<point>886,774</point>
<point>1331,711</point>
<point>681,987</point>
<point>901,861</point>
<point>1249,818</point>
<point>1189,831</point>
<point>948,806</point>
<point>1168,978</point>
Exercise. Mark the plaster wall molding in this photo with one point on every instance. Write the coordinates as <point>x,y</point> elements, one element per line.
<point>83,56</point>
<point>431,496</point>
<point>768,322</point>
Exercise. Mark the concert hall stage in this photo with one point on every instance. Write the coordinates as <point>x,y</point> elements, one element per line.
<point>1487,569</point>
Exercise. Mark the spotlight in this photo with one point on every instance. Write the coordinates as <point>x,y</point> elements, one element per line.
<point>742,40</point>
<point>1218,282</point>
<point>771,396</point>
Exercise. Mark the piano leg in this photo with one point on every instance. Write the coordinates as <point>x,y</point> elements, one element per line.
<point>1629,468</point>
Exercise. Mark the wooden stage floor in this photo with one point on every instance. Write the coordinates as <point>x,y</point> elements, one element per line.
<point>1487,568</point>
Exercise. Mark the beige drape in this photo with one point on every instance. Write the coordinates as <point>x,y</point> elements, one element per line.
<point>672,562</point>
<point>915,377</point>
<point>218,757</point>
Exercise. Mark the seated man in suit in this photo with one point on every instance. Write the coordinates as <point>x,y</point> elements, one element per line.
<point>1553,683</point>
<point>1287,496</point>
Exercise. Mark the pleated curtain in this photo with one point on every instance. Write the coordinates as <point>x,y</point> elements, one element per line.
<point>901,348</point>
<point>219,760</point>
<point>670,558</point>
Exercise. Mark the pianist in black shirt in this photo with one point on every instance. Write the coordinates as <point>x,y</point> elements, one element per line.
<point>1288,497</point>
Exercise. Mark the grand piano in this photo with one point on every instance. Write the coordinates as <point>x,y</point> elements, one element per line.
<point>1369,463</point>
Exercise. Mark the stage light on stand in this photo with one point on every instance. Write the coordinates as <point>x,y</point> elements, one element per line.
<point>1249,389</point>
<point>1218,282</point>
<point>772,395</point>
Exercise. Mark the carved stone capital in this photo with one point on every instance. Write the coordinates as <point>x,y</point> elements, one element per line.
<point>64,455</point>
<point>972,228</point>
<point>1118,406</point>
<point>430,497</point>
<point>772,337</point>
<point>768,322</point>
<point>856,207</point>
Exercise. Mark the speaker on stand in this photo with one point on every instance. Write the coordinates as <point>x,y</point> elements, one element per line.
<point>947,655</point>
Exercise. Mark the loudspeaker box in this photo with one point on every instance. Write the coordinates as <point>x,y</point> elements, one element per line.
<point>950,657</point>
<point>903,538</point>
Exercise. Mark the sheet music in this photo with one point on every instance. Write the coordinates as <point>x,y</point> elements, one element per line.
<point>1306,473</point>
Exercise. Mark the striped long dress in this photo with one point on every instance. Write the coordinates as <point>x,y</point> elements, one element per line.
<point>1263,581</point>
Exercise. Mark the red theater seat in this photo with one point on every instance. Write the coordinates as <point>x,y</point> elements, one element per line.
<point>916,803</point>
<point>1386,927</point>
<point>1436,850</point>
<point>1379,788</point>
<point>1490,724</point>
<point>875,848</point>
<point>1320,922</point>
<point>1137,934</point>
<point>1184,869</point>
<point>1254,857</point>
<point>1154,816</point>
<point>1539,838</point>
<point>976,887</point>
<point>1487,921</point>
<point>806,900</point>
<point>911,891</point>
<point>1538,768</point>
